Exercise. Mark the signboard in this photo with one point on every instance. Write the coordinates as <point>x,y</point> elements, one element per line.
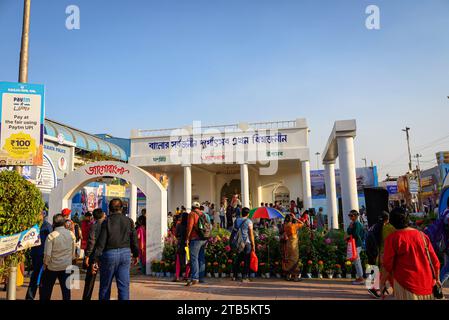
<point>20,241</point>
<point>413,186</point>
<point>213,146</point>
<point>21,123</point>
<point>392,187</point>
<point>115,191</point>
<point>366,177</point>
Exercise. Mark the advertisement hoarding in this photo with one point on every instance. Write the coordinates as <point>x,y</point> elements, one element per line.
<point>21,124</point>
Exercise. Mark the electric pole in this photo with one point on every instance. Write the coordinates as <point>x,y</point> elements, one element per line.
<point>418,172</point>
<point>23,78</point>
<point>317,160</point>
<point>406,130</point>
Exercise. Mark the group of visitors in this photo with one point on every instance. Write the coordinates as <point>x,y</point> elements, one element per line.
<point>109,244</point>
<point>405,256</point>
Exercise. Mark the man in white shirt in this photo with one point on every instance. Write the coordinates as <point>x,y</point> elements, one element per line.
<point>59,253</point>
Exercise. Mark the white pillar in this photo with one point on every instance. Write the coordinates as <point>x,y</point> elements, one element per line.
<point>244,178</point>
<point>133,203</point>
<point>306,186</point>
<point>213,189</point>
<point>188,187</point>
<point>348,179</point>
<point>331,195</point>
<point>259,196</point>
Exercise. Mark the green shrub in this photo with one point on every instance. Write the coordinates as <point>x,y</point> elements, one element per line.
<point>20,207</point>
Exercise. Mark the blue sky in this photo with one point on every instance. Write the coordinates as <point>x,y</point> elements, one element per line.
<point>155,64</point>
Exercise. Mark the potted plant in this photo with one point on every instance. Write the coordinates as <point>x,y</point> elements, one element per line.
<point>300,266</point>
<point>161,268</point>
<point>320,268</point>
<point>239,275</point>
<point>309,268</point>
<point>155,267</point>
<point>215,268</point>
<point>338,270</point>
<point>348,269</point>
<point>168,266</point>
<point>277,267</point>
<point>229,268</point>
<point>262,269</point>
<point>209,270</point>
<point>223,270</point>
<point>329,267</point>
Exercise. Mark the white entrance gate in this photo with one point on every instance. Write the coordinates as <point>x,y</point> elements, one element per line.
<point>156,194</point>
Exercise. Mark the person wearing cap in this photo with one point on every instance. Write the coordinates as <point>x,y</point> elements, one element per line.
<point>75,228</point>
<point>196,245</point>
<point>355,230</point>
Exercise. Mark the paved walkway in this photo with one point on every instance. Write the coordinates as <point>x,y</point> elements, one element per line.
<point>147,288</point>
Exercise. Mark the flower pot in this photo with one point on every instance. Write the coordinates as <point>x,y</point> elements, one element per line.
<point>320,276</point>
<point>278,275</point>
<point>252,275</point>
<point>348,276</point>
<point>216,275</point>
<point>262,275</point>
<point>330,276</point>
<point>223,275</point>
<point>267,275</point>
<point>209,275</point>
<point>168,274</point>
<point>239,275</point>
<point>231,275</point>
<point>309,275</point>
<point>338,276</point>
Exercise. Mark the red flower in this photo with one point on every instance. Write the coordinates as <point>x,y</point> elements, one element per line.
<point>228,248</point>
<point>310,262</point>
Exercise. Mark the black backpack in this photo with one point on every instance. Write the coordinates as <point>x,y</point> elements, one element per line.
<point>236,239</point>
<point>373,242</point>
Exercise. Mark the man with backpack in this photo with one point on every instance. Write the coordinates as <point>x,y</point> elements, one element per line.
<point>242,241</point>
<point>198,231</point>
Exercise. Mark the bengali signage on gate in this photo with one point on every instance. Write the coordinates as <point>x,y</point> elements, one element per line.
<point>221,147</point>
<point>21,124</point>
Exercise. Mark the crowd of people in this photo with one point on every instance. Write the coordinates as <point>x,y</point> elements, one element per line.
<point>110,244</point>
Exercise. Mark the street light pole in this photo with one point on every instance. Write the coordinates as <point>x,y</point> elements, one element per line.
<point>406,130</point>
<point>418,169</point>
<point>23,78</point>
<point>317,160</point>
<point>364,159</point>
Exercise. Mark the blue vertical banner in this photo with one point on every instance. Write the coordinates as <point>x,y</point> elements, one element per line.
<point>22,113</point>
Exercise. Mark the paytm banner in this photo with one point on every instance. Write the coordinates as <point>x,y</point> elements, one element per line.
<point>21,124</point>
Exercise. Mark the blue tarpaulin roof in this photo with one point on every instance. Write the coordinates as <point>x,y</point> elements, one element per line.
<point>84,140</point>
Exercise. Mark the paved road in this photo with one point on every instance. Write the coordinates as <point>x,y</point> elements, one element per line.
<point>144,288</point>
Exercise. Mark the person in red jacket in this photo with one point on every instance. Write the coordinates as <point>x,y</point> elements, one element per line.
<point>406,259</point>
<point>86,224</point>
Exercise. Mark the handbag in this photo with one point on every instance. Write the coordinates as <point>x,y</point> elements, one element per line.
<point>254,262</point>
<point>437,289</point>
<point>351,250</point>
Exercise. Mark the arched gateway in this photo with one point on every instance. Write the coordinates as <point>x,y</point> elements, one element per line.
<point>156,195</point>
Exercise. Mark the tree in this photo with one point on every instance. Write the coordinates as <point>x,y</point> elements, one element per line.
<point>20,207</point>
